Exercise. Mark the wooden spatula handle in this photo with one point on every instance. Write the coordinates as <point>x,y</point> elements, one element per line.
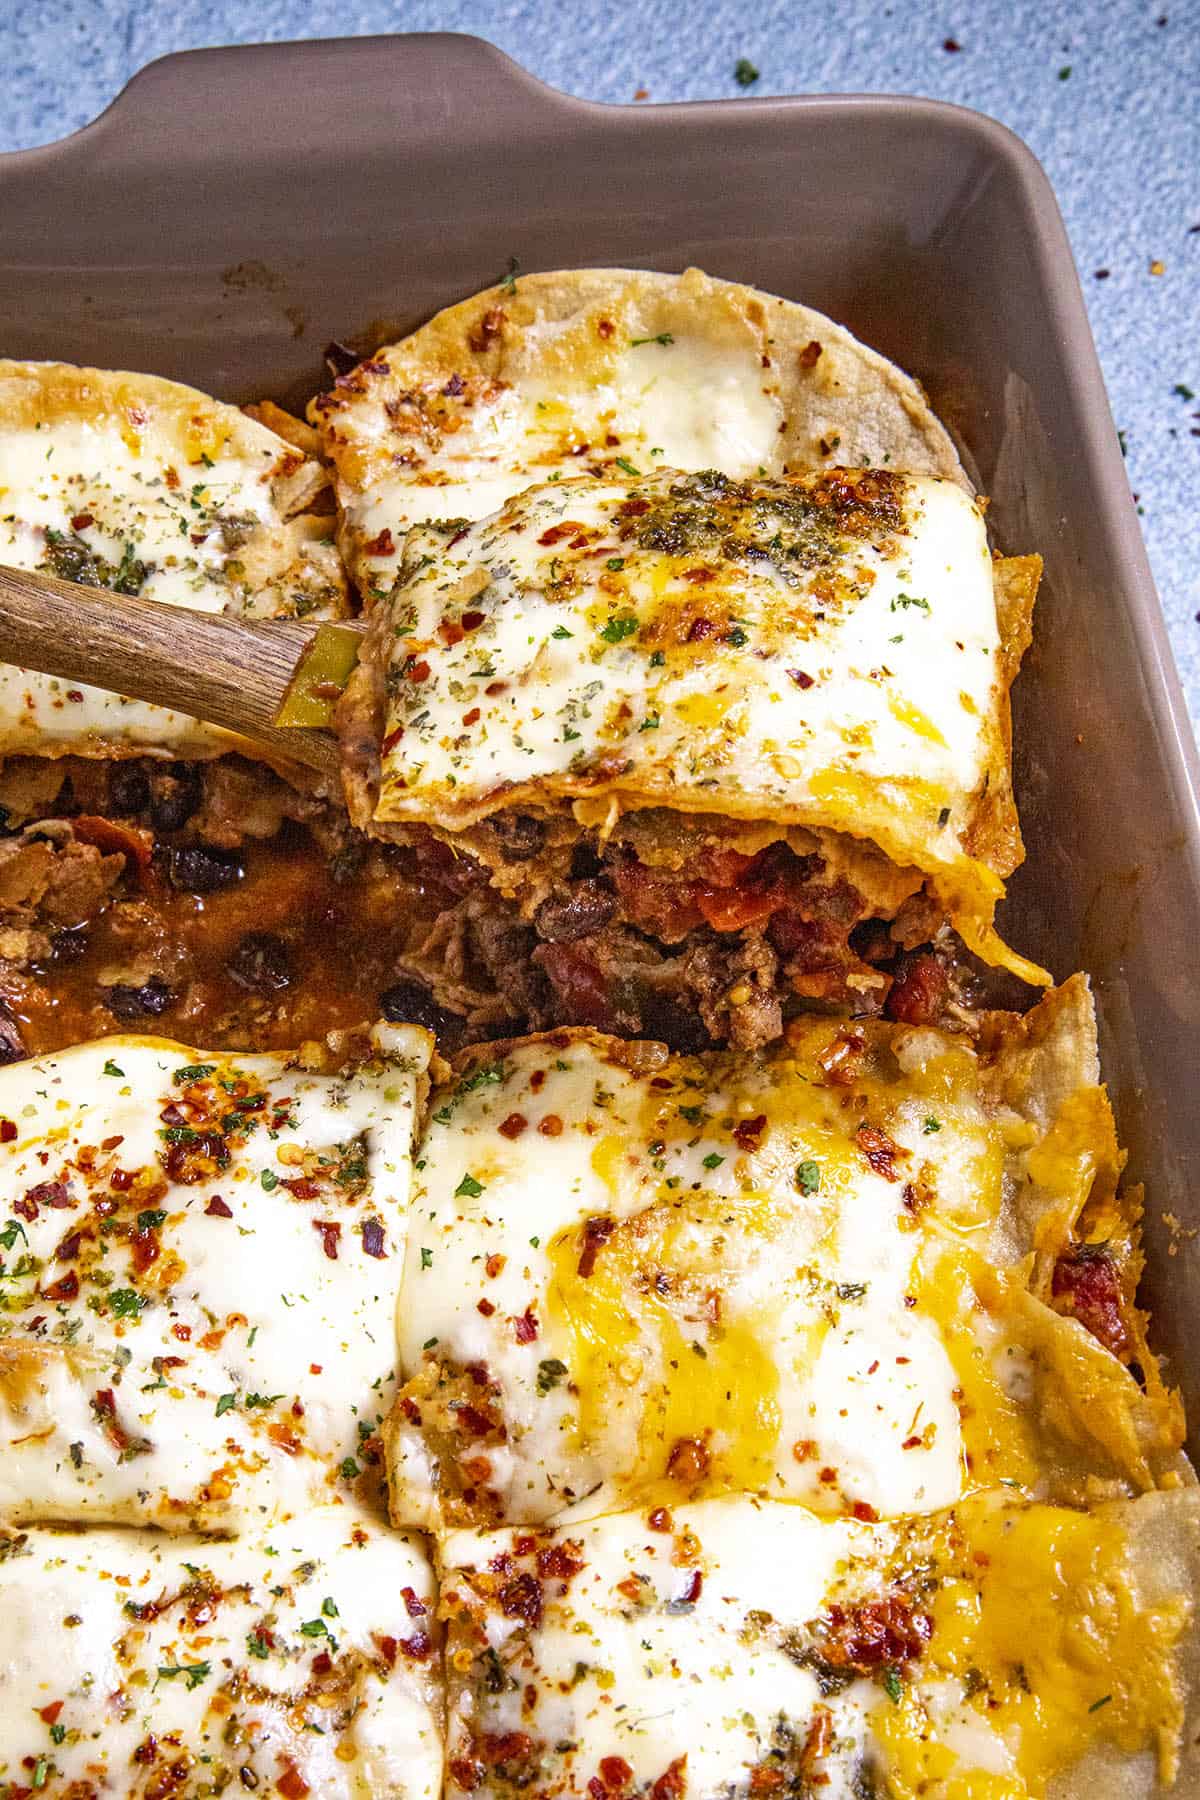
<point>227,671</point>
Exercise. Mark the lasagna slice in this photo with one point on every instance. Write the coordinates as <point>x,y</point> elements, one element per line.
<point>732,747</point>
<point>200,1261</point>
<point>636,1278</point>
<point>587,371</point>
<point>1001,1649</point>
<point>303,1660</point>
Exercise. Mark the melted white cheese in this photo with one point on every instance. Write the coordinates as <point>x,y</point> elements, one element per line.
<point>756,1284</point>
<point>693,403</point>
<point>181,510</point>
<point>186,1338</point>
<point>852,685</point>
<point>136,1664</point>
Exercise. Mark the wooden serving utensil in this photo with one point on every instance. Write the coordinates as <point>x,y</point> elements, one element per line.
<point>273,680</point>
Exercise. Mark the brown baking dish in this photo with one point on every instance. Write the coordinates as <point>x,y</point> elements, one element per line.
<point>236,209</point>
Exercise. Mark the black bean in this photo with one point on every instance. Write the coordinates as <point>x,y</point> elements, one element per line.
<point>576,913</point>
<point>411,1002</point>
<point>261,963</point>
<point>69,946</point>
<point>674,1022</point>
<point>175,793</point>
<point>199,869</point>
<point>128,789</point>
<point>519,836</point>
<point>152,998</point>
<point>12,1046</point>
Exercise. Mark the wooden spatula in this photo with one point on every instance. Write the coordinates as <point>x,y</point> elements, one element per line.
<point>230,672</point>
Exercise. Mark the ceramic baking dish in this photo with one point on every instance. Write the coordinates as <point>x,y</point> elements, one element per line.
<point>236,209</point>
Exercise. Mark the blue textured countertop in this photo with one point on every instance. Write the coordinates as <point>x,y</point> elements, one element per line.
<point>1105,92</point>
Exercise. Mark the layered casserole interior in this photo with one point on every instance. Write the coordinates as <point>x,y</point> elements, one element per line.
<point>582,1266</point>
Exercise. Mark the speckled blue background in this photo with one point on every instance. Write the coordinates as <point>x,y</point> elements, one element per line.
<point>1106,93</point>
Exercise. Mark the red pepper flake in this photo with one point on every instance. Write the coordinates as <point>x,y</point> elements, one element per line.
<point>322,1663</point>
<point>80,521</point>
<point>75,695</point>
<point>604,328</point>
<point>487,330</point>
<point>49,1193</point>
<point>218,1208</point>
<point>471,621</point>
<point>68,1250</point>
<point>50,1713</point>
<point>392,739</point>
<point>615,1773</point>
<point>291,1783</point>
<point>810,355</point>
<point>688,1461</point>
<point>66,1289</point>
<point>383,545</point>
<point>330,1234</point>
<point>800,678</point>
<point>513,1126</point>
<point>413,1606</point>
<point>372,1238</point>
<point>8,1131</point>
<point>700,577</point>
<point>551,1126</point>
<point>472,717</point>
<point>494,1264</point>
<point>951,46</point>
<point>881,1153</point>
<point>699,629</point>
<point>525,1328</point>
<point>671,1783</point>
<point>418,1647</point>
<point>691,1592</point>
<point>121,1180</point>
<point>521,1598</point>
<point>865,1513</point>
<point>596,1233</point>
<point>26,1209</point>
<point>660,1520</point>
<point>556,1562</point>
<point>748,1134</point>
<point>485,1307</point>
<point>419,671</point>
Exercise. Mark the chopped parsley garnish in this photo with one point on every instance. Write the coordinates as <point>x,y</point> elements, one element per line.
<point>426,1259</point>
<point>269,1179</point>
<point>662,337</point>
<point>226,1403</point>
<point>151,1218</point>
<point>193,1072</point>
<point>348,1469</point>
<point>550,1373</point>
<point>560,631</point>
<point>509,284</point>
<point>893,1686</point>
<point>569,734</point>
<point>614,563</point>
<point>261,1399</point>
<point>623,462</point>
<point>851,1290</point>
<point>314,1628</point>
<point>737,637</point>
<point>1184,392</point>
<point>657,659</point>
<point>619,628</point>
<point>1097,1704</point>
<point>110,1068</point>
<point>744,72</point>
<point>468,1187</point>
<point>808,1177</point>
<point>713,1161</point>
<point>194,1673</point>
<point>931,1125</point>
<point>256,1643</point>
<point>649,723</point>
<point>906,601</point>
<point>8,1236</point>
<point>329,1608</point>
<point>125,1303</point>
